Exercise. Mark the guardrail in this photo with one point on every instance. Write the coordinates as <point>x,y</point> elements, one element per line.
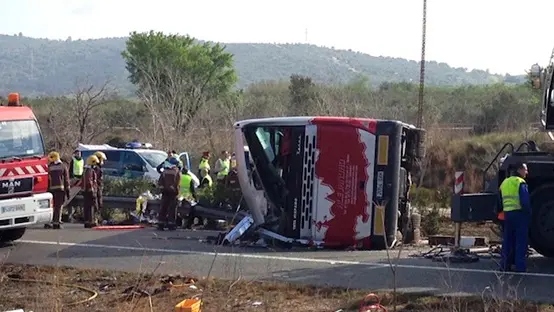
<point>129,204</point>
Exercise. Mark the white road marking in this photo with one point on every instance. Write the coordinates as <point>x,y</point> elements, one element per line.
<point>283,258</point>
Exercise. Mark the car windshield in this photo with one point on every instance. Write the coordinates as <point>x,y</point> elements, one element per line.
<point>20,138</point>
<point>154,158</point>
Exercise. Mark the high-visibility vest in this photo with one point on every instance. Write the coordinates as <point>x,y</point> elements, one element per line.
<point>510,193</point>
<point>186,181</point>
<point>78,166</point>
<point>204,164</point>
<point>225,170</point>
<point>207,178</point>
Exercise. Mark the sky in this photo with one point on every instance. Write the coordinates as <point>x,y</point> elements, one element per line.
<point>502,36</point>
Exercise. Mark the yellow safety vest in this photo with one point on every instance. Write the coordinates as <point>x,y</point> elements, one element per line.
<point>510,193</point>
<point>78,166</point>
<point>209,179</point>
<point>186,181</point>
<point>225,171</point>
<point>204,164</point>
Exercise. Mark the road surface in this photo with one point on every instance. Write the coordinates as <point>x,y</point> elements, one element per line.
<point>183,252</point>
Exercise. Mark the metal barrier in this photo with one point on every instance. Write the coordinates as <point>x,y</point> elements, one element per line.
<point>129,204</point>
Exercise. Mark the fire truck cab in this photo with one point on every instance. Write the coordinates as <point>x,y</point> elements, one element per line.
<point>24,197</point>
<point>332,181</point>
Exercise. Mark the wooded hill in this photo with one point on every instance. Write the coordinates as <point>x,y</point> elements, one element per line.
<point>37,67</point>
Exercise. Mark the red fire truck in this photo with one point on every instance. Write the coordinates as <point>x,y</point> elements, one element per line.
<point>331,181</point>
<point>24,197</point>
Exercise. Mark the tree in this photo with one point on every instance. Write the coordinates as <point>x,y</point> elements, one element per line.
<point>80,117</point>
<point>176,76</point>
<point>303,94</point>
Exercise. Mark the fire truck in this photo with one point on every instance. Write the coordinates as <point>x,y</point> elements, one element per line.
<point>24,196</point>
<point>483,206</point>
<point>329,181</point>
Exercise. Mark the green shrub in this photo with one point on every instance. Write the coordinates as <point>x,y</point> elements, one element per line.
<point>430,221</point>
<point>422,197</point>
<point>123,187</point>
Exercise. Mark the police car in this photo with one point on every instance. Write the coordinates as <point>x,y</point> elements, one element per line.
<point>133,161</point>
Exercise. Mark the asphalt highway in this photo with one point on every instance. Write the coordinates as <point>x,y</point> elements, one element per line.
<point>186,252</point>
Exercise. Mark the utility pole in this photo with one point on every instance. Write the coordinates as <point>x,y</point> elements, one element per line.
<point>422,68</point>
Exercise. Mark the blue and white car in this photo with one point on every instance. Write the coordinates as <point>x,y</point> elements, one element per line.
<point>127,162</point>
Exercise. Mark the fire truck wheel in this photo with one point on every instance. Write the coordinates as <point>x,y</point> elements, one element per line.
<point>11,235</point>
<point>541,234</point>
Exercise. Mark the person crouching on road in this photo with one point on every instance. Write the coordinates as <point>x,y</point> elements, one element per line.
<point>58,185</point>
<point>100,179</point>
<point>169,183</point>
<point>516,206</point>
<point>90,189</point>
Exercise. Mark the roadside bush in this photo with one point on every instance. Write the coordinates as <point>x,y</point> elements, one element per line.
<point>422,197</point>
<point>123,187</point>
<point>430,221</point>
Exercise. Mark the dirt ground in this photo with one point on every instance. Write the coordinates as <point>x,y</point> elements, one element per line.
<point>66,289</point>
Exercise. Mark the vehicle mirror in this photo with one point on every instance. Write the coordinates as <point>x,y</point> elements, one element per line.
<point>144,169</point>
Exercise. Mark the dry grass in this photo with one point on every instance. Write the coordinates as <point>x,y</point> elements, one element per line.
<point>55,293</point>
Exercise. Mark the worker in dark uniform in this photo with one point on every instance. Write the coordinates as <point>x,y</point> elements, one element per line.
<point>516,206</point>
<point>90,189</point>
<point>58,185</point>
<point>169,183</point>
<point>99,178</point>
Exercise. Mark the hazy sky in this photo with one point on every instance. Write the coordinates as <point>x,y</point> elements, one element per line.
<point>503,36</point>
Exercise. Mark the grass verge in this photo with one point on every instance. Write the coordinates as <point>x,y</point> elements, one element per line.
<point>118,291</point>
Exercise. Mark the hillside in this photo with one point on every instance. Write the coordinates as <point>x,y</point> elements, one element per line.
<point>48,67</point>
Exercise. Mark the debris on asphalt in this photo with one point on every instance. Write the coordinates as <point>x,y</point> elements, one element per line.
<point>218,294</point>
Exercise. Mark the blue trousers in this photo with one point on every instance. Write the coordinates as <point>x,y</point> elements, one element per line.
<point>514,240</point>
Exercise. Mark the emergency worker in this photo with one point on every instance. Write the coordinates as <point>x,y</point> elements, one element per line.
<point>100,179</point>
<point>77,165</point>
<point>222,166</point>
<point>516,206</point>
<point>58,185</point>
<point>233,161</point>
<point>90,190</point>
<point>165,163</point>
<point>204,164</point>
<point>169,183</point>
<point>206,180</point>
<point>187,188</point>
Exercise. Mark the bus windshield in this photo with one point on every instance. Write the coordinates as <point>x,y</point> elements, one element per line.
<point>20,138</point>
